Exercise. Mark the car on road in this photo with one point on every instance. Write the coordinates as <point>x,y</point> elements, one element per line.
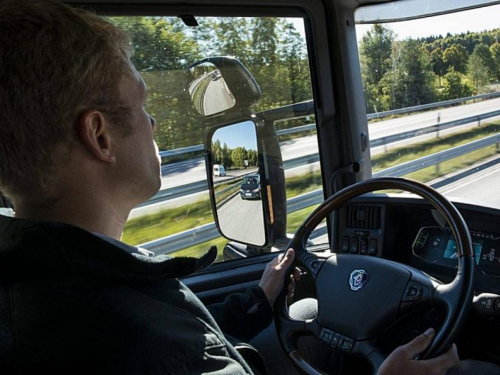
<point>250,187</point>
<point>219,170</point>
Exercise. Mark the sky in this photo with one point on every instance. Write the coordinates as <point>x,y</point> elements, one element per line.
<point>481,19</point>
<point>239,135</point>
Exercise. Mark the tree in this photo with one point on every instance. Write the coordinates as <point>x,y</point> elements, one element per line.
<point>264,60</point>
<point>253,158</point>
<point>456,57</point>
<point>437,63</point>
<point>455,86</point>
<point>412,81</point>
<point>495,53</point>
<point>477,72</point>
<point>484,53</point>
<point>294,56</point>
<point>217,155</point>
<point>238,157</point>
<point>226,156</point>
<point>376,58</point>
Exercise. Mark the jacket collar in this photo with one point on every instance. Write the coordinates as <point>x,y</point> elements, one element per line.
<point>28,246</point>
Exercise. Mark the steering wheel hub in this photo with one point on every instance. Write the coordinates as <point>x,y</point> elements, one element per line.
<point>345,310</point>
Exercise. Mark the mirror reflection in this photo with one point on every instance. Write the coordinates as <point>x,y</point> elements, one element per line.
<point>237,183</point>
<point>208,89</point>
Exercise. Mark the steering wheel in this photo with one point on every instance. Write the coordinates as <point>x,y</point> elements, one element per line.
<point>359,296</point>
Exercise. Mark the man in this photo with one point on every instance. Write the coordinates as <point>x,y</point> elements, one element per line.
<point>77,155</point>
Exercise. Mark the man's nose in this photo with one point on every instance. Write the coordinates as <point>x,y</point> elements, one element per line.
<point>153,122</point>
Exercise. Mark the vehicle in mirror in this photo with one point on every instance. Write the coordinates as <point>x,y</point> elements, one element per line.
<point>209,91</point>
<point>237,194</point>
<point>250,187</point>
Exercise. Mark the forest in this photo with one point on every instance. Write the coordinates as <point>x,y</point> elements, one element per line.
<point>396,73</point>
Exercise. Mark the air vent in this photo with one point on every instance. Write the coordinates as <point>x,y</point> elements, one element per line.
<point>363,217</point>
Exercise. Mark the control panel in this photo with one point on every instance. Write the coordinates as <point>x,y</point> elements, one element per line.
<point>361,230</point>
<point>438,246</point>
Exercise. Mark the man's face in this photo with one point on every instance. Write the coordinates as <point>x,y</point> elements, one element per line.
<point>138,160</point>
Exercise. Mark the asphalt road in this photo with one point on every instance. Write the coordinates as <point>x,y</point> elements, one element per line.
<point>478,185</point>
<point>243,219</point>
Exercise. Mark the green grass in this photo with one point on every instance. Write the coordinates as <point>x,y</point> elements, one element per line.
<point>198,250</point>
<point>296,219</point>
<point>302,184</point>
<point>447,167</point>
<point>164,223</point>
<point>418,150</point>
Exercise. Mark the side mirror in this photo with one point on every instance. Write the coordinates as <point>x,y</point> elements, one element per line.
<point>218,85</point>
<point>244,162</point>
<point>239,193</point>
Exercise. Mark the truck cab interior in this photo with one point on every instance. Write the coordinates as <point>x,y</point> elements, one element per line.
<point>374,129</point>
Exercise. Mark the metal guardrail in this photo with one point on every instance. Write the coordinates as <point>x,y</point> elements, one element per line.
<point>209,232</point>
<point>431,129</point>
<point>176,192</point>
<point>439,157</point>
<point>423,107</point>
<point>180,151</point>
<point>200,186</point>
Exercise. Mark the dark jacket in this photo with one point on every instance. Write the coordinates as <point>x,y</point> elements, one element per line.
<point>73,302</point>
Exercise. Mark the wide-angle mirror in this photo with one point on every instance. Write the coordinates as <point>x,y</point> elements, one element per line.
<point>237,185</point>
<point>209,91</point>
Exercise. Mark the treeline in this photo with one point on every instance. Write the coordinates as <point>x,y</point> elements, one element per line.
<point>270,48</point>
<point>238,157</point>
<point>411,72</point>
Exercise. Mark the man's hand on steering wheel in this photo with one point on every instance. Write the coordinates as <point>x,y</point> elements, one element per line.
<point>273,277</point>
<point>401,360</point>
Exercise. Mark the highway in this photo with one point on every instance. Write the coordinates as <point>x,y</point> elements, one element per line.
<point>243,219</point>
<point>185,172</point>
<point>479,184</point>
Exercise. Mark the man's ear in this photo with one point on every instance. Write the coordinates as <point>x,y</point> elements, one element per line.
<point>95,133</point>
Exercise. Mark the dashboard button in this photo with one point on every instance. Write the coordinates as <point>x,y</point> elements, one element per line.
<point>345,244</point>
<point>413,292</point>
<point>326,335</point>
<point>335,340</point>
<point>346,344</point>
<point>372,250</point>
<point>497,304</point>
<point>363,246</point>
<point>354,245</point>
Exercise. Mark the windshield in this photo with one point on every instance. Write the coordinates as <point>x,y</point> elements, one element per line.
<point>254,180</point>
<point>179,220</point>
<point>433,101</point>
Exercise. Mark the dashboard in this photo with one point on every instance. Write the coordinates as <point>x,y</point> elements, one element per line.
<point>438,245</point>
<point>409,230</point>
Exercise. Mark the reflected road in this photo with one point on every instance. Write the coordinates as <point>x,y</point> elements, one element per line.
<point>243,219</point>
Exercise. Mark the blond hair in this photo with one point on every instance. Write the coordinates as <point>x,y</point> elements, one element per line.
<point>55,63</point>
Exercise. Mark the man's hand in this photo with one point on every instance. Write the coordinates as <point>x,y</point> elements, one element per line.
<point>401,359</point>
<point>272,279</point>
